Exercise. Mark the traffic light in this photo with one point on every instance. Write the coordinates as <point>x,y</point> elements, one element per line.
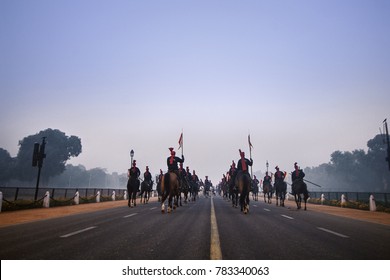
<point>35,155</point>
<point>42,154</point>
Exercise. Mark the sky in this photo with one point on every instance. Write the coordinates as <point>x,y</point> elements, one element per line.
<point>303,78</point>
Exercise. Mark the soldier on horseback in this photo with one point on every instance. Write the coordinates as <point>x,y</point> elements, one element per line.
<point>207,186</point>
<point>279,175</point>
<point>243,180</point>
<point>243,163</point>
<point>173,160</point>
<point>147,175</point>
<point>280,186</point>
<point>297,176</point>
<point>267,179</point>
<point>133,183</point>
<point>134,172</point>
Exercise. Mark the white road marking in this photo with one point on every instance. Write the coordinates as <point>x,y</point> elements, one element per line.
<point>153,208</point>
<point>131,215</point>
<point>333,232</point>
<point>254,205</point>
<point>77,232</point>
<point>215,245</point>
<point>266,209</point>
<point>288,217</point>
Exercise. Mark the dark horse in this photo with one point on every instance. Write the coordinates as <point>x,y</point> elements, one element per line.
<point>280,192</point>
<point>184,188</point>
<point>146,189</point>
<point>244,187</point>
<point>194,189</point>
<point>299,188</point>
<point>233,192</point>
<point>255,191</point>
<point>132,189</point>
<point>170,190</point>
<point>267,190</point>
<point>158,187</point>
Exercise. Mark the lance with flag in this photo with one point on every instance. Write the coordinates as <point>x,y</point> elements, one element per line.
<point>181,143</point>
<point>250,151</point>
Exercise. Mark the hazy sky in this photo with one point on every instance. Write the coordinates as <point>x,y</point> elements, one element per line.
<point>305,78</point>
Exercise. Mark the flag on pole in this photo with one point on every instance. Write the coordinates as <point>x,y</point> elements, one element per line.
<point>249,141</point>
<point>181,141</point>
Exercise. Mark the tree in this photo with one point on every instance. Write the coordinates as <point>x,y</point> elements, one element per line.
<point>59,149</point>
<point>6,164</point>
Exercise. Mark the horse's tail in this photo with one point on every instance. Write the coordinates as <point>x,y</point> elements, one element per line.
<point>167,180</point>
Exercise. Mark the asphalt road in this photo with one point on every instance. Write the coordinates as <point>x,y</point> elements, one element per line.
<point>266,233</point>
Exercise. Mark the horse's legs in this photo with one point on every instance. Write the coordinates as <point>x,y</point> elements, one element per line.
<point>163,198</point>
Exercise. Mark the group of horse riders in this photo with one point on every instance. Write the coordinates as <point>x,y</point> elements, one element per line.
<point>237,181</point>
<point>186,180</point>
<point>231,179</point>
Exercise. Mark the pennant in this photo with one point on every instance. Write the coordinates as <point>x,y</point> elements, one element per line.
<point>249,141</point>
<point>181,141</point>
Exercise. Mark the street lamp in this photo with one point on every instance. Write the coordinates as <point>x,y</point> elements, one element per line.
<point>131,156</point>
<point>267,165</point>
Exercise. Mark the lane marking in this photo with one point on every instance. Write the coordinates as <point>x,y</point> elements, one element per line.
<point>215,245</point>
<point>131,215</point>
<point>288,217</point>
<point>153,208</point>
<point>333,232</point>
<point>76,232</point>
<point>266,209</point>
<point>254,205</point>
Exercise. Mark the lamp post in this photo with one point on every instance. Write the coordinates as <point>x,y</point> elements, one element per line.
<point>266,164</point>
<point>131,156</point>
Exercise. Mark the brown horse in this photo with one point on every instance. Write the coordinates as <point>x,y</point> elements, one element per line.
<point>267,190</point>
<point>299,188</point>
<point>243,182</point>
<point>170,190</point>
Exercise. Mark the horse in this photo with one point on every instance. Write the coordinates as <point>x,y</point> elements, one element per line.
<point>146,189</point>
<point>233,192</point>
<point>158,189</point>
<point>194,189</point>
<point>299,188</point>
<point>267,190</point>
<point>184,188</point>
<point>280,192</point>
<point>243,181</point>
<point>132,188</point>
<point>255,191</point>
<point>170,190</point>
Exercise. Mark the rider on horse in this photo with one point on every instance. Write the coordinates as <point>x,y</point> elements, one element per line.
<point>172,162</point>
<point>267,179</point>
<point>279,175</point>
<point>243,163</point>
<point>134,172</point>
<point>297,175</point>
<point>207,185</point>
<point>255,181</point>
<point>232,172</point>
<point>147,175</point>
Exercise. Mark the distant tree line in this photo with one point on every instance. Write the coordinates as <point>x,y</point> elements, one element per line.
<point>19,172</point>
<point>356,171</point>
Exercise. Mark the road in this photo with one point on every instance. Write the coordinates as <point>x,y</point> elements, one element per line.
<point>143,233</point>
